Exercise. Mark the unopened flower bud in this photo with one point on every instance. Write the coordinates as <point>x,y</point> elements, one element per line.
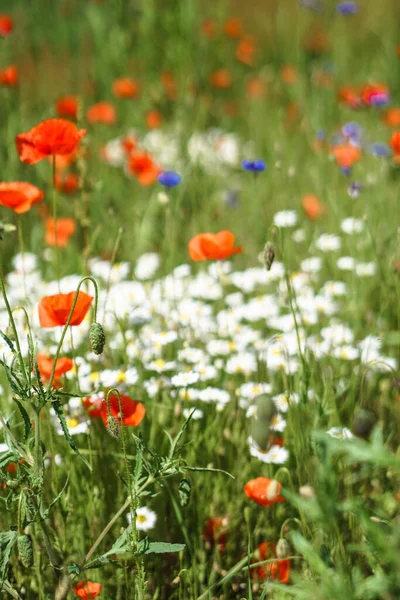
<point>282,548</point>
<point>113,426</point>
<point>97,338</point>
<point>269,255</point>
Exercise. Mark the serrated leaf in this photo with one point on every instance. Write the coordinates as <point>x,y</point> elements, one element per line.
<point>56,499</point>
<point>7,341</point>
<point>7,541</point>
<point>164,548</point>
<point>61,417</point>
<point>26,419</point>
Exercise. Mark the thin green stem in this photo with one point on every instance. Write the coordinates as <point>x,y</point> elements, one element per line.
<point>96,301</point>
<point>54,197</point>
<point>14,328</point>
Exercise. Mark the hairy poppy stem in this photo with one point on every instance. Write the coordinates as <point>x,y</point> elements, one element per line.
<point>71,312</point>
<point>12,322</point>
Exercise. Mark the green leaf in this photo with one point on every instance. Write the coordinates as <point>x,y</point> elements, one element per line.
<point>61,417</point>
<point>73,569</point>
<point>164,548</point>
<point>7,541</point>
<point>7,341</point>
<point>56,499</point>
<point>7,458</point>
<point>26,419</point>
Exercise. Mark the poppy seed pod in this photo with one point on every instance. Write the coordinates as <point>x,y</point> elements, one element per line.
<point>269,255</point>
<point>25,550</point>
<point>113,426</point>
<point>97,338</point>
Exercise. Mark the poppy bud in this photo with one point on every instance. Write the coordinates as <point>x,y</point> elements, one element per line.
<point>269,255</point>
<point>282,548</point>
<point>363,422</point>
<point>13,484</point>
<point>265,412</point>
<point>25,550</point>
<point>185,488</point>
<point>97,338</point>
<point>113,426</point>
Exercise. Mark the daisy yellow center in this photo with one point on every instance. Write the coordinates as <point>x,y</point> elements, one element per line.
<point>72,423</point>
<point>141,518</point>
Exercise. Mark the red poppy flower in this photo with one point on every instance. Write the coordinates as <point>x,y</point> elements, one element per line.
<point>153,119</point>
<point>142,166</point>
<point>19,196</point>
<point>392,117</point>
<point>125,87</point>
<point>346,155</point>
<point>395,142</point>
<point>54,310</point>
<point>93,406</point>
<point>350,96</point>
<point>9,76</point>
<point>246,50</point>
<point>312,207</point>
<point>87,590</point>
<point>6,25</point>
<point>221,79</point>
<point>50,138</point>
<point>68,183</point>
<point>278,570</point>
<point>256,87</point>
<point>67,107</point>
<point>132,412</point>
<point>45,364</point>
<point>64,229</point>
<point>215,532</point>
<point>233,27</point>
<point>208,28</point>
<point>169,84</point>
<point>264,491</point>
<point>372,92</point>
<point>102,112</point>
<point>213,246</point>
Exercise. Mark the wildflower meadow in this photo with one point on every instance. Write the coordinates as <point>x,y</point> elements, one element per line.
<point>200,300</point>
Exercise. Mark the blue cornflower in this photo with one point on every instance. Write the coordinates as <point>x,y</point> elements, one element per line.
<point>320,134</point>
<point>354,189</point>
<point>353,131</point>
<point>380,99</point>
<point>346,171</point>
<point>347,8</point>
<point>169,179</point>
<point>379,149</point>
<point>256,166</point>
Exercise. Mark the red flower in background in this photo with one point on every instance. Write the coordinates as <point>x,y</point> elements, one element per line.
<point>64,228</point>
<point>208,28</point>
<point>246,50</point>
<point>346,155</point>
<point>45,364</point>
<point>9,76</point>
<point>54,310</point>
<point>131,413</point>
<point>312,207</point>
<point>350,96</point>
<point>169,84</point>
<point>213,246</point>
<point>67,107</point>
<point>221,79</point>
<point>233,27</point>
<point>102,112</point>
<point>395,142</point>
<point>125,87</point>
<point>19,196</point>
<point>278,570</point>
<point>50,138</point>
<point>142,166</point>
<point>6,25</point>
<point>392,117</point>
<point>67,183</point>
<point>215,532</point>
<point>87,590</point>
<point>264,491</point>
<point>93,405</point>
<point>153,119</point>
